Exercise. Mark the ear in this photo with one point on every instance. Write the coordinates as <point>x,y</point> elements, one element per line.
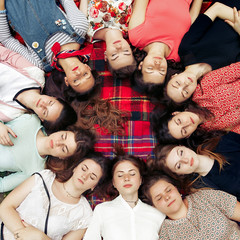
<point>105,56</point>
<point>175,113</point>
<point>140,65</point>
<point>66,81</point>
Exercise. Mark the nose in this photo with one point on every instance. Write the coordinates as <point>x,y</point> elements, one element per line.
<point>126,177</point>
<point>166,197</point>
<point>85,176</point>
<point>157,62</point>
<point>118,45</point>
<point>43,104</point>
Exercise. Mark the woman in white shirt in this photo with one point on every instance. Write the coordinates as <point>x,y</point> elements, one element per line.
<point>126,217</point>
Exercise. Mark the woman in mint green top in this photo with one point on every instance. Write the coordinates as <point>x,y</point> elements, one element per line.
<point>32,146</point>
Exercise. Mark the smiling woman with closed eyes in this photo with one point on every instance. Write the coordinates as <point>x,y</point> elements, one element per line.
<point>126,217</point>
<point>31,147</point>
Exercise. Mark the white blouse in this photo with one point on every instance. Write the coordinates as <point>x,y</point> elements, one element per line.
<point>63,217</point>
<point>116,220</point>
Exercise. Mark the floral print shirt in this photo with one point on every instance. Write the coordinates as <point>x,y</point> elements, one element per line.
<point>109,14</point>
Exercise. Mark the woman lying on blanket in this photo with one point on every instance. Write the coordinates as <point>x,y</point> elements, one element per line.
<point>24,210</point>
<point>20,92</point>
<point>209,44</point>
<point>215,164</point>
<point>109,22</point>
<point>53,38</point>
<point>125,217</point>
<point>31,147</point>
<point>157,27</point>
<point>199,215</point>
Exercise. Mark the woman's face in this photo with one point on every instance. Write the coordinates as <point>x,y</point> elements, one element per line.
<point>181,86</point>
<point>119,54</point>
<point>47,108</point>
<point>182,160</point>
<point>79,77</point>
<point>87,174</point>
<point>126,178</point>
<point>183,124</point>
<point>61,144</point>
<point>154,69</point>
<point>166,197</point>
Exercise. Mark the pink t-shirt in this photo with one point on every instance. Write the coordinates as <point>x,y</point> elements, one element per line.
<point>165,21</point>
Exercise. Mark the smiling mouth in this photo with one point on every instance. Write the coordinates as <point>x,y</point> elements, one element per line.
<point>127,185</point>
<point>171,203</point>
<point>192,120</point>
<point>74,69</point>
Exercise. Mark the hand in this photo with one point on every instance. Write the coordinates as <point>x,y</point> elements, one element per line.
<point>236,22</point>
<point>4,135</point>
<point>29,233</point>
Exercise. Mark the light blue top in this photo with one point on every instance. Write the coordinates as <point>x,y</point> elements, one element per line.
<point>22,158</point>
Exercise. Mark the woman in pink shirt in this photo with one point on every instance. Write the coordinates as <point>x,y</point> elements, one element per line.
<point>172,20</point>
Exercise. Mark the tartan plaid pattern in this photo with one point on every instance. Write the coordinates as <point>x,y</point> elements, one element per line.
<point>138,139</point>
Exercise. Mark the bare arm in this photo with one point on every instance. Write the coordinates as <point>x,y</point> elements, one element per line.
<point>4,135</point>
<point>221,11</point>
<point>8,213</point>
<point>83,6</point>
<point>235,24</point>
<point>138,14</point>
<point>236,213</point>
<point>2,5</point>
<point>75,235</point>
<point>195,9</point>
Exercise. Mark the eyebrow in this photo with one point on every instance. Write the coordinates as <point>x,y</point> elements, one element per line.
<point>121,171</point>
<point>161,193</point>
<point>174,86</point>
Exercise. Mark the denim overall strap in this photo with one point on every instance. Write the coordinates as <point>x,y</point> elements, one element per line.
<point>36,21</point>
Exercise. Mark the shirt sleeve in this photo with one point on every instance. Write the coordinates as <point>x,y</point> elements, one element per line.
<point>94,229</point>
<point>11,181</point>
<point>12,43</point>
<point>75,17</point>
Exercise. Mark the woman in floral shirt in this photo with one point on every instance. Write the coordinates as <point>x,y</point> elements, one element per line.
<point>109,22</point>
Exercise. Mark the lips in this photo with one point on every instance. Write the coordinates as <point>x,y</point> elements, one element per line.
<point>191,161</point>
<point>171,203</point>
<point>80,180</point>
<point>192,120</point>
<point>158,58</point>
<point>190,79</point>
<point>38,102</point>
<point>74,69</point>
<point>118,41</point>
<point>127,185</point>
<point>51,143</point>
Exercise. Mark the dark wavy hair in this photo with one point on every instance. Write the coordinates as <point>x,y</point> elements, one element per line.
<point>121,156</point>
<point>97,157</point>
<point>67,117</point>
<point>55,86</point>
<point>159,124</point>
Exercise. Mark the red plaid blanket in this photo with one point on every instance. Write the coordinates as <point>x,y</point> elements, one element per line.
<point>138,139</point>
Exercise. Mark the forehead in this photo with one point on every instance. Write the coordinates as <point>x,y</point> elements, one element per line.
<point>174,129</point>
<point>92,165</point>
<point>125,166</point>
<point>159,187</point>
<point>122,61</point>
<point>174,93</point>
<point>172,157</point>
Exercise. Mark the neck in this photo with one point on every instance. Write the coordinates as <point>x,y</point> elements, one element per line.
<point>157,49</point>
<point>28,98</point>
<point>199,69</point>
<point>110,35</point>
<point>41,144</point>
<point>205,165</point>
<point>71,191</point>
<point>181,212</point>
<point>68,63</point>
<point>131,199</point>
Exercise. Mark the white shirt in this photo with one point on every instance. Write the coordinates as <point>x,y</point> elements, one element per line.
<point>116,220</point>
